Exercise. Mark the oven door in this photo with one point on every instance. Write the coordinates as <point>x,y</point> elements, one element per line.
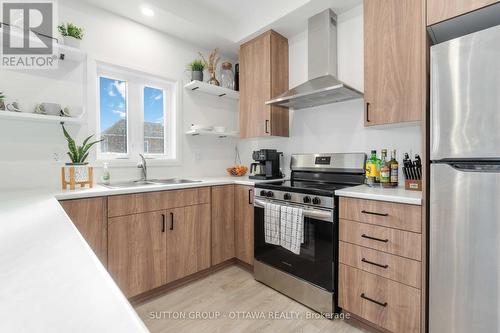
<point>315,263</point>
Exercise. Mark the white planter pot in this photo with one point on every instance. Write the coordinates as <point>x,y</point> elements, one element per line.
<point>81,173</point>
<point>71,41</point>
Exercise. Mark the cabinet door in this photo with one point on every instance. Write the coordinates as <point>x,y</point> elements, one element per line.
<point>263,75</point>
<point>137,251</point>
<point>89,217</point>
<point>394,43</point>
<point>255,87</point>
<point>243,212</point>
<point>222,223</point>
<point>441,10</point>
<point>188,241</point>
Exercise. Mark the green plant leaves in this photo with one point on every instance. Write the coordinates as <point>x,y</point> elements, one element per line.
<point>78,154</point>
<point>71,30</point>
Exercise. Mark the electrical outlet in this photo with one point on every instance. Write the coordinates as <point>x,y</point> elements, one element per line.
<point>56,157</point>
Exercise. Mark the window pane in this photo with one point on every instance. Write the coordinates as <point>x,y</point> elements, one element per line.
<point>154,121</point>
<point>113,115</point>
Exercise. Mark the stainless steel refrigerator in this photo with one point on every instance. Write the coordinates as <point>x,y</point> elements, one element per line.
<point>464,231</point>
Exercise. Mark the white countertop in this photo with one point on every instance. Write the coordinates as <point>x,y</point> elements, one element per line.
<point>99,190</point>
<point>50,279</point>
<point>397,194</point>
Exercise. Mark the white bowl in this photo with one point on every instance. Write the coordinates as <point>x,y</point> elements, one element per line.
<point>220,129</point>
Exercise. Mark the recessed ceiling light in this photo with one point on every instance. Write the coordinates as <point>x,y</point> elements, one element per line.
<point>146,11</point>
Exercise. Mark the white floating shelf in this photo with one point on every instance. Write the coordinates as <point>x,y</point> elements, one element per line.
<point>42,118</point>
<point>68,53</point>
<point>212,133</point>
<point>212,90</point>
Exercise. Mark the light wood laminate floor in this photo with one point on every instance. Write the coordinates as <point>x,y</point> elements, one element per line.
<point>229,296</point>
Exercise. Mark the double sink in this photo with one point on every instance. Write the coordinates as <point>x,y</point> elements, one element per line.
<point>150,182</point>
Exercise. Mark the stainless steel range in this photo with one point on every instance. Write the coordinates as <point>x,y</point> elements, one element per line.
<point>309,277</point>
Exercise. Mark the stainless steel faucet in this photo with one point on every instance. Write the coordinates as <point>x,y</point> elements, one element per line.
<point>144,167</point>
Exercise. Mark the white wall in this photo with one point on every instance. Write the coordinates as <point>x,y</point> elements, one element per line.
<point>27,149</point>
<point>335,127</point>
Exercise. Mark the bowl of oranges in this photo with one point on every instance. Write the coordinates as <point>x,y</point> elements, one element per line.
<point>237,170</point>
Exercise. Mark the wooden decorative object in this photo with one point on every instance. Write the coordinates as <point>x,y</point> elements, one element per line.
<point>71,180</point>
<point>413,185</point>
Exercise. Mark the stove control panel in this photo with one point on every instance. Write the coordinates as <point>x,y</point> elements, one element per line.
<point>296,198</point>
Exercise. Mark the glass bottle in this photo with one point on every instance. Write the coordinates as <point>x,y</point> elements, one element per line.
<point>227,75</point>
<point>371,168</point>
<point>394,165</point>
<point>385,170</point>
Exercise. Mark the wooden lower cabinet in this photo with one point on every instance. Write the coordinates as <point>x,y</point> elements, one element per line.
<point>388,304</point>
<point>188,241</point>
<point>89,217</point>
<point>137,252</point>
<point>222,223</point>
<point>243,220</point>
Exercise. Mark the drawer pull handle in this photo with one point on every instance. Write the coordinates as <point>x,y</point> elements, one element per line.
<point>372,300</point>
<point>171,221</point>
<point>162,222</point>
<point>374,213</point>
<point>375,238</point>
<point>374,263</point>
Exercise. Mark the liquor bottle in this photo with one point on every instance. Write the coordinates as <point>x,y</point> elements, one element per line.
<point>371,168</point>
<point>385,170</point>
<point>394,165</point>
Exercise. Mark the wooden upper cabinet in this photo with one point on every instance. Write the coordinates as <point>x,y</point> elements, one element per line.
<point>89,217</point>
<point>395,61</point>
<point>441,10</point>
<point>222,223</point>
<point>137,251</point>
<point>263,75</point>
<point>188,241</point>
<point>243,219</point>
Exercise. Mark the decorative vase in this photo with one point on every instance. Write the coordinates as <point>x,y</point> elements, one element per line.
<point>77,174</point>
<point>71,41</point>
<point>197,75</point>
<point>213,80</point>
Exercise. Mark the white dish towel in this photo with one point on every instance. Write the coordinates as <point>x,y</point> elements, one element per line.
<point>292,228</point>
<point>272,223</point>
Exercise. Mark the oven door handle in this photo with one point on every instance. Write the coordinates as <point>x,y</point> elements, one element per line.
<point>312,213</point>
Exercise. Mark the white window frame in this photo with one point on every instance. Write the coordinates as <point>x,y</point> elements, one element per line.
<point>136,82</point>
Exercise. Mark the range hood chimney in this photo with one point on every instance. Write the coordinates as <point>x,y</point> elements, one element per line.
<point>322,86</point>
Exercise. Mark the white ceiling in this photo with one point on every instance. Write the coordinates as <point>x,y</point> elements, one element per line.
<point>224,23</point>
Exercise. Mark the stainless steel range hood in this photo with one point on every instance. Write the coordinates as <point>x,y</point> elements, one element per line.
<point>322,87</point>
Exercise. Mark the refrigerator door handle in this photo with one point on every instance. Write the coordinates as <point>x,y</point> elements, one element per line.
<point>479,167</point>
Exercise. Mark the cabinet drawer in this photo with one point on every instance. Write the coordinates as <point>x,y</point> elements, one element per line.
<point>398,242</point>
<point>387,214</point>
<point>127,204</point>
<point>385,303</point>
<point>396,268</point>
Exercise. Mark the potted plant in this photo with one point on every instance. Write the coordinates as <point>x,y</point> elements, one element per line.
<point>72,34</point>
<point>211,65</point>
<point>2,101</point>
<point>196,67</point>
<point>77,172</point>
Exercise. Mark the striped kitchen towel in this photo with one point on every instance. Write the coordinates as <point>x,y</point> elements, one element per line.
<point>272,223</point>
<point>292,228</point>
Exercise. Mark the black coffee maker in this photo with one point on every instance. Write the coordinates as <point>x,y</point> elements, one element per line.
<point>267,164</point>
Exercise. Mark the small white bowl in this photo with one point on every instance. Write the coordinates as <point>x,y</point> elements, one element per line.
<point>220,129</point>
